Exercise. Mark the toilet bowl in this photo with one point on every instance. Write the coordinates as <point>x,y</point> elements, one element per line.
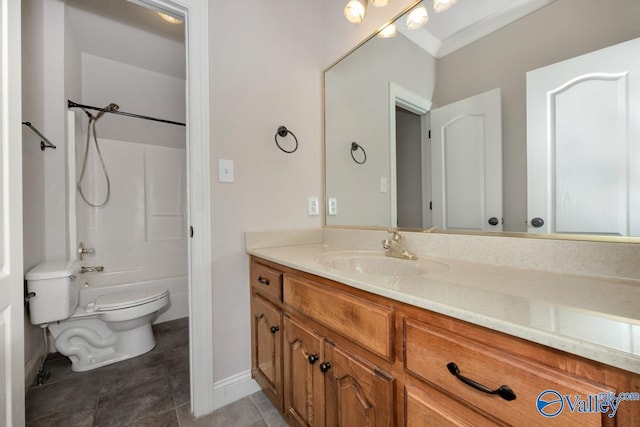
<point>109,329</point>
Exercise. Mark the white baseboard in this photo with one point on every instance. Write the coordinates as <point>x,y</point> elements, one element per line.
<point>234,388</point>
<point>31,368</point>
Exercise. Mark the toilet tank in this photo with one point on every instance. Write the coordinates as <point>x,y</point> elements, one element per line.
<point>56,291</point>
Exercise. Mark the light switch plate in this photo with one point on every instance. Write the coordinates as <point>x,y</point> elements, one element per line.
<point>313,206</point>
<point>225,170</point>
<point>333,206</point>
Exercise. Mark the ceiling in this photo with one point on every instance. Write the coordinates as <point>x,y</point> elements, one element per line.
<point>125,32</point>
<point>465,22</point>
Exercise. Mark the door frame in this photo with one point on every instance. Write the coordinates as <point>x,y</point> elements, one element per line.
<point>12,403</point>
<point>410,101</point>
<point>201,340</point>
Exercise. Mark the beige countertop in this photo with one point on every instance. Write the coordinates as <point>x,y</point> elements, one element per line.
<point>594,317</point>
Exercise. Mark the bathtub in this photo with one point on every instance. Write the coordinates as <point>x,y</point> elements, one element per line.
<point>93,285</point>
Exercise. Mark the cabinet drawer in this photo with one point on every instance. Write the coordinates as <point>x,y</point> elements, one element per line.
<point>266,281</point>
<point>424,407</point>
<point>362,321</point>
<point>428,350</point>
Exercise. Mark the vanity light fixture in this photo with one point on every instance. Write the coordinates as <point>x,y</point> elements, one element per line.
<point>418,17</point>
<point>170,19</point>
<point>388,31</point>
<point>440,5</point>
<point>355,10</point>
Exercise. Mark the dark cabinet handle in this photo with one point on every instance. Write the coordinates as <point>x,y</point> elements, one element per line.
<point>324,367</point>
<point>263,280</point>
<point>503,391</point>
<point>493,221</point>
<point>275,329</point>
<point>313,358</point>
<point>537,222</point>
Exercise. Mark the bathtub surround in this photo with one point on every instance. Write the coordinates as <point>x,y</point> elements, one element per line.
<point>143,225</point>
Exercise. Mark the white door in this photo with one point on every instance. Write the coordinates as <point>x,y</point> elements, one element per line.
<point>466,163</point>
<point>583,144</point>
<point>11,284</point>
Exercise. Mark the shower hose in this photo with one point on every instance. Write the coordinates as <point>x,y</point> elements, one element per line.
<point>91,130</point>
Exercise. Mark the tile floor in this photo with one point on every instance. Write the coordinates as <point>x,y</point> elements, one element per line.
<point>149,390</point>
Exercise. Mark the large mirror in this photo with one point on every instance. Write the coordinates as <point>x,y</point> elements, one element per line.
<point>446,125</point>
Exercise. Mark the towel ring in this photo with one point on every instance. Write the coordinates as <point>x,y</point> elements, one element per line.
<point>282,132</point>
<point>354,147</point>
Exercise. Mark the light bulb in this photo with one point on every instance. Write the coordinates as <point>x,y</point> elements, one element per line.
<point>440,5</point>
<point>354,11</point>
<point>170,19</point>
<point>417,18</point>
<point>379,3</point>
<point>388,31</point>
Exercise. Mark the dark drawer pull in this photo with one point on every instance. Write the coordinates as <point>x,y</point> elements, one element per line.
<point>263,280</point>
<point>275,329</point>
<point>503,391</point>
<point>313,358</point>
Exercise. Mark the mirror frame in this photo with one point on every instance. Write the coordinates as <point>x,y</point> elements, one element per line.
<point>548,236</point>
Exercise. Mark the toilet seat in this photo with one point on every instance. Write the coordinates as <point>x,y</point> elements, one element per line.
<point>126,299</point>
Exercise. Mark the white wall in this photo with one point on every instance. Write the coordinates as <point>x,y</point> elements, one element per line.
<point>265,73</point>
<point>138,91</point>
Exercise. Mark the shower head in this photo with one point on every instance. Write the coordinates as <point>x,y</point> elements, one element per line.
<point>110,107</point>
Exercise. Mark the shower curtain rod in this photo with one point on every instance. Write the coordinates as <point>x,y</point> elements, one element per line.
<point>71,104</point>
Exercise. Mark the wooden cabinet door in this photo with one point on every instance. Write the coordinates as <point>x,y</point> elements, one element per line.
<point>266,348</point>
<point>356,393</point>
<point>303,381</point>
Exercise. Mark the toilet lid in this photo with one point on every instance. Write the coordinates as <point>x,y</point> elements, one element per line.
<point>125,299</point>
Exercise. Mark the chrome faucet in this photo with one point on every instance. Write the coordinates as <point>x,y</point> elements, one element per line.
<point>96,269</point>
<point>395,246</point>
<point>82,251</point>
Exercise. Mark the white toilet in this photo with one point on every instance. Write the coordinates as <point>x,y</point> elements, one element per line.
<point>114,327</point>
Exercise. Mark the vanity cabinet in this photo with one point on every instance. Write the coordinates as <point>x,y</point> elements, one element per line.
<point>486,377</point>
<point>344,357</point>
<point>325,385</point>
<point>266,331</point>
<point>304,382</point>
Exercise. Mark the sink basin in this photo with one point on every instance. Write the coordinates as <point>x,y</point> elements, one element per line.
<point>375,263</point>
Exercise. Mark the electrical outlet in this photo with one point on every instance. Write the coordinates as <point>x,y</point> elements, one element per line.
<point>225,170</point>
<point>333,206</point>
<point>314,208</point>
<point>383,184</point>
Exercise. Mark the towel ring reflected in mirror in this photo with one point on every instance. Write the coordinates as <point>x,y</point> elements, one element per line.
<point>354,147</point>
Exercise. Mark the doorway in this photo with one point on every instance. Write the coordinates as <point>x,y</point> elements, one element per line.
<point>198,211</point>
